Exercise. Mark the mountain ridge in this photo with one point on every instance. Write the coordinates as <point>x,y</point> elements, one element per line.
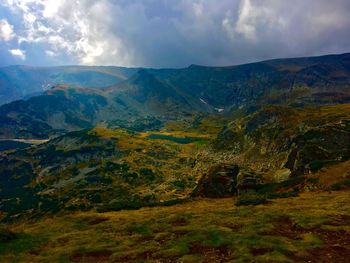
<point>167,94</point>
<point>41,78</point>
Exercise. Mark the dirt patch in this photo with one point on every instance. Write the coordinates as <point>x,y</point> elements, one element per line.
<point>178,233</point>
<point>164,238</point>
<point>97,221</point>
<point>35,252</point>
<point>62,241</point>
<point>179,222</point>
<point>333,174</point>
<point>211,254</point>
<point>234,227</point>
<point>285,227</point>
<point>93,256</point>
<point>260,251</point>
<point>336,246</point>
<point>341,220</point>
<point>336,243</point>
<point>145,256</point>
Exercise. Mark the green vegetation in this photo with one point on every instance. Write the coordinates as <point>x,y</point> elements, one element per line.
<point>250,198</point>
<point>6,235</point>
<point>309,227</point>
<point>99,168</point>
<point>345,184</point>
<point>180,140</point>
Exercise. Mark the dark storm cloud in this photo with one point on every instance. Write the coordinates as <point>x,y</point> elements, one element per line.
<point>173,33</point>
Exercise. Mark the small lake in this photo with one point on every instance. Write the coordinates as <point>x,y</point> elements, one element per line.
<point>11,145</point>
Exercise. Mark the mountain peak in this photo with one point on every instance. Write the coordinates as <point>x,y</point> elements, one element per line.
<point>195,66</point>
<point>143,73</point>
<point>143,77</point>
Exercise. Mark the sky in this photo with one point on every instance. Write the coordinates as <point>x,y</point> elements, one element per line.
<point>169,33</point>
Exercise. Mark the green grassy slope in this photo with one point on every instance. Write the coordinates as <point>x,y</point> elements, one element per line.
<point>312,227</point>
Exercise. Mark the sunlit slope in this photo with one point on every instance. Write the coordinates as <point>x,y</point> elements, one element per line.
<point>102,169</point>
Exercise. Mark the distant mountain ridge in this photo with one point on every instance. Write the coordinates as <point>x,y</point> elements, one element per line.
<point>170,94</point>
<point>18,82</point>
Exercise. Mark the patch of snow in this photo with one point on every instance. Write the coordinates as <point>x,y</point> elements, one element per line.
<point>203,101</point>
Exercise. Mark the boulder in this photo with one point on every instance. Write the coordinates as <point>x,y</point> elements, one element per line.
<point>282,175</point>
<point>220,181</point>
<point>246,181</point>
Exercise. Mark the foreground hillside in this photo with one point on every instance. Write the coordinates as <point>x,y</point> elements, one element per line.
<point>314,227</point>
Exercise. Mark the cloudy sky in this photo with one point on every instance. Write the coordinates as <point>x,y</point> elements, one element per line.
<point>169,33</point>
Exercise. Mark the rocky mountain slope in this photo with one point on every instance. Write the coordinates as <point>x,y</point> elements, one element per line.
<point>63,108</point>
<point>277,144</point>
<point>100,168</point>
<point>278,151</point>
<point>176,93</point>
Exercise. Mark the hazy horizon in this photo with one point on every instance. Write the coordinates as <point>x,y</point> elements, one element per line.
<point>141,67</point>
<point>169,34</point>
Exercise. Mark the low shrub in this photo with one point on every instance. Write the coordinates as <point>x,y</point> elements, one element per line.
<point>288,194</point>
<point>6,235</point>
<point>341,185</point>
<point>251,198</point>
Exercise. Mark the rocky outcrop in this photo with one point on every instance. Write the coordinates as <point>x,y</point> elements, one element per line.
<point>246,181</point>
<point>220,181</point>
<point>226,180</point>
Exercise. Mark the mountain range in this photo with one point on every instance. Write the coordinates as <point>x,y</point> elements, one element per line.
<point>79,143</point>
<point>20,82</point>
<point>87,96</point>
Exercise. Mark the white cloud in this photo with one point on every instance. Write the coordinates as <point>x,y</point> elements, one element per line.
<point>228,25</point>
<point>82,29</point>
<point>18,53</point>
<point>51,7</point>
<point>178,33</point>
<point>246,20</point>
<point>255,16</point>
<point>50,53</point>
<point>6,30</point>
